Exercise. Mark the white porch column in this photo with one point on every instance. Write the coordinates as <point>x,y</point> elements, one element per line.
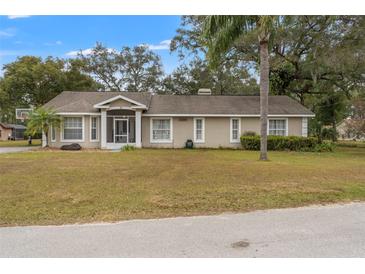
<point>103,129</point>
<point>138,128</point>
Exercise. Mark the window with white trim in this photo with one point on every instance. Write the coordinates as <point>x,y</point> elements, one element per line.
<point>72,128</point>
<point>235,130</point>
<point>199,130</point>
<point>94,129</point>
<point>277,127</point>
<point>53,134</point>
<point>161,130</point>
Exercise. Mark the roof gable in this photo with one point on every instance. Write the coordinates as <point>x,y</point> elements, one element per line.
<point>109,102</point>
<point>84,101</point>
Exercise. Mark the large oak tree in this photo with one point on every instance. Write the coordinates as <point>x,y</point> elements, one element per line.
<point>135,69</point>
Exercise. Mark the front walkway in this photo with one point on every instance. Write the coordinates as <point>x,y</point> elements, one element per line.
<point>15,149</point>
<point>317,231</point>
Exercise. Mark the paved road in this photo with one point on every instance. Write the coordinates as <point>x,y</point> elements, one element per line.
<point>319,231</point>
<point>15,149</point>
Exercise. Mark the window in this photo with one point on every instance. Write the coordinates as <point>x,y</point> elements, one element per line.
<point>199,130</point>
<point>73,128</point>
<point>94,128</point>
<point>278,127</point>
<point>53,134</point>
<point>161,130</point>
<point>235,130</point>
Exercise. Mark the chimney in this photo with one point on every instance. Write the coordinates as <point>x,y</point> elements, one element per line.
<point>204,91</point>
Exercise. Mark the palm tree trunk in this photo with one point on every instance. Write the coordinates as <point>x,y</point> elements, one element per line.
<point>46,133</point>
<point>264,96</point>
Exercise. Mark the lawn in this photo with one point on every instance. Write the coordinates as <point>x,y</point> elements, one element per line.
<point>55,187</point>
<point>341,143</point>
<point>20,143</point>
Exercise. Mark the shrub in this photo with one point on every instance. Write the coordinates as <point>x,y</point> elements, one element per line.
<point>128,148</point>
<point>329,134</point>
<point>325,147</point>
<point>250,142</point>
<point>249,133</point>
<point>294,143</point>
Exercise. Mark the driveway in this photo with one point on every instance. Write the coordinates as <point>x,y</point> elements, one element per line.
<point>15,149</point>
<point>317,231</point>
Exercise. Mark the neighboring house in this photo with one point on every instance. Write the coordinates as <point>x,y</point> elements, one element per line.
<point>11,132</point>
<point>109,120</point>
<point>345,132</point>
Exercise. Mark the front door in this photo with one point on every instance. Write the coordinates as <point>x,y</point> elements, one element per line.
<point>121,131</point>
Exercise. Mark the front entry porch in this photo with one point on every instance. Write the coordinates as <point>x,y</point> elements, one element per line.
<point>120,128</point>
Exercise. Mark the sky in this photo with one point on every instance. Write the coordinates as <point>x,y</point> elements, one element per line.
<point>64,36</point>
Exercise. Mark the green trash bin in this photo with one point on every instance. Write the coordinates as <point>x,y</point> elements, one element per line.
<point>189,144</point>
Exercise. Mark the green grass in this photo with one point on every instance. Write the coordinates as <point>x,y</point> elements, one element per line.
<point>55,187</point>
<point>20,143</point>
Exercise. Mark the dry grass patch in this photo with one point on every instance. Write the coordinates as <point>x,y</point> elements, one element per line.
<point>54,187</point>
<point>20,143</point>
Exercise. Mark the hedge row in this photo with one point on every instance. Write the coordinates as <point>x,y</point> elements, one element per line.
<point>294,143</point>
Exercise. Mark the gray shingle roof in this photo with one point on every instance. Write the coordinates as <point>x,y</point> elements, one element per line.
<point>69,101</point>
<point>13,126</point>
<point>210,104</point>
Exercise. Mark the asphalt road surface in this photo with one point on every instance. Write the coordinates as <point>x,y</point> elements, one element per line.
<point>317,231</point>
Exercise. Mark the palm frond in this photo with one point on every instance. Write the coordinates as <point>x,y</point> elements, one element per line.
<point>41,120</point>
<point>222,31</point>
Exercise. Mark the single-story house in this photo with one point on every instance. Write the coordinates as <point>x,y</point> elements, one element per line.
<point>345,132</point>
<point>110,120</point>
<point>11,132</point>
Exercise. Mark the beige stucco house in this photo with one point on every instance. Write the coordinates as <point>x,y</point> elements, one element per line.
<point>11,132</point>
<point>110,120</point>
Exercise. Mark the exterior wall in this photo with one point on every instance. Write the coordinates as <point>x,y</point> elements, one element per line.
<point>253,124</point>
<point>295,126</point>
<point>217,131</point>
<point>183,130</point>
<point>250,124</point>
<point>5,133</point>
<point>87,143</point>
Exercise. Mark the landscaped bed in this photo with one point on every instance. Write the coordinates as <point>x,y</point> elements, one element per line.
<point>20,143</point>
<point>55,187</point>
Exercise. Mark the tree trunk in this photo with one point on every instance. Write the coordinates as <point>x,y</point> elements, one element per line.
<point>46,133</point>
<point>334,129</point>
<point>264,96</point>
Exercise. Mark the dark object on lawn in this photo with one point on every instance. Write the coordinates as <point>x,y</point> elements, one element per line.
<point>71,147</point>
<point>29,140</point>
<point>189,144</point>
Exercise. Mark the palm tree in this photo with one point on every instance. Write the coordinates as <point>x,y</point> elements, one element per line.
<point>223,31</point>
<point>41,120</point>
